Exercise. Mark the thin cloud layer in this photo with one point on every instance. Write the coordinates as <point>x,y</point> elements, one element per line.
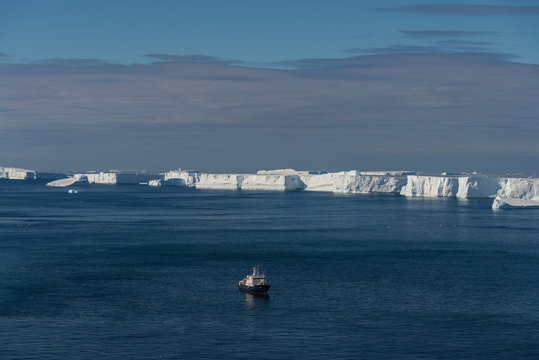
<point>190,58</point>
<point>444,33</point>
<point>430,112</point>
<point>465,9</point>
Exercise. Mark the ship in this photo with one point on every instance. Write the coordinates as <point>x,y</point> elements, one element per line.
<point>254,283</point>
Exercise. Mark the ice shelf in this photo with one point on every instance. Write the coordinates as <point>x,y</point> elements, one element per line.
<point>405,183</point>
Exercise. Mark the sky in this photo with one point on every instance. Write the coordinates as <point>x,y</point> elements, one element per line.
<point>237,86</point>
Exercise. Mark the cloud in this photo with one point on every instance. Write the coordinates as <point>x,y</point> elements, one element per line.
<point>190,59</point>
<point>444,33</point>
<point>459,42</point>
<point>465,9</point>
<point>419,111</point>
<point>396,49</point>
<point>449,46</point>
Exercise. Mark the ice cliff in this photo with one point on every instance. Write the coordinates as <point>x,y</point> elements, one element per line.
<point>406,183</point>
<point>437,186</point>
<point>477,187</point>
<point>113,178</point>
<point>17,174</point>
<point>368,184</point>
<point>25,174</point>
<point>220,181</point>
<point>358,182</point>
<point>271,182</point>
<point>176,178</point>
<point>352,182</point>
<point>467,187</point>
<point>519,188</point>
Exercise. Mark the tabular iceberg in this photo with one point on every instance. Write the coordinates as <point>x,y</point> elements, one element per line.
<point>519,188</point>
<point>363,184</point>
<point>505,190</point>
<point>79,180</point>
<point>271,182</point>
<point>478,187</point>
<point>331,182</point>
<point>324,182</point>
<point>434,186</point>
<point>113,178</point>
<point>25,174</point>
<point>220,181</point>
<point>17,173</point>
<point>181,177</point>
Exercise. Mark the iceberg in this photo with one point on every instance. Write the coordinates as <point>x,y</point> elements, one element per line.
<point>113,178</point>
<point>17,173</point>
<point>510,203</point>
<point>271,182</point>
<point>519,188</point>
<point>433,186</point>
<point>469,187</point>
<point>25,174</point>
<point>180,177</point>
<point>478,187</point>
<point>324,182</point>
<point>505,190</point>
<point>220,181</point>
<point>353,182</point>
<point>374,184</point>
<point>77,180</point>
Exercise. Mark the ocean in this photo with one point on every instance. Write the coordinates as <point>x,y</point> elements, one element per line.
<point>134,272</point>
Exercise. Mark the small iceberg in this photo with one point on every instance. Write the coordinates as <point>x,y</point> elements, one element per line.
<point>72,191</point>
<point>510,203</point>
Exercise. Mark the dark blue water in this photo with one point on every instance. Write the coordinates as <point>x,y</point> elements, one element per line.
<point>132,272</point>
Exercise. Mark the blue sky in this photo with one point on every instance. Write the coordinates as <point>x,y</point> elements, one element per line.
<point>251,31</point>
<point>378,84</point>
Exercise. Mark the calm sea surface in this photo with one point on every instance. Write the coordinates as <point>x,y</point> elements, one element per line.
<point>132,272</point>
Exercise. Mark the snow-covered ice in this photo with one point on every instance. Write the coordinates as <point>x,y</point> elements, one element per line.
<point>478,187</point>
<point>113,178</point>
<point>388,173</point>
<point>70,181</point>
<point>434,186</point>
<point>290,172</point>
<point>373,184</point>
<point>519,188</point>
<point>406,183</point>
<point>17,173</point>
<point>323,182</point>
<point>220,181</point>
<point>511,203</point>
<point>271,182</point>
<point>180,177</point>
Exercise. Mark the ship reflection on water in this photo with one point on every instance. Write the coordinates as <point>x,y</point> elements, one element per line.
<point>253,300</point>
